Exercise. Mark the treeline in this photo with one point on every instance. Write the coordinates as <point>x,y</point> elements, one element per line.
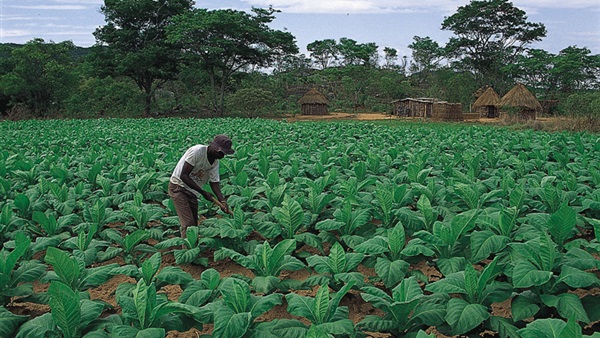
<point>166,58</point>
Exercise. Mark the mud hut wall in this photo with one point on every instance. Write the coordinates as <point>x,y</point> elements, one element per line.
<point>488,111</point>
<point>314,109</point>
<point>447,112</point>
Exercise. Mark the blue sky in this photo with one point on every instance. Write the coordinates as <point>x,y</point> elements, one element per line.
<point>388,23</point>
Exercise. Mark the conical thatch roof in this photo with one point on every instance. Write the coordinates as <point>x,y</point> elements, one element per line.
<point>488,98</point>
<point>519,96</point>
<point>313,97</point>
<point>480,91</point>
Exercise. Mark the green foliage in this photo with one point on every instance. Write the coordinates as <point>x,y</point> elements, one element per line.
<point>488,35</point>
<point>225,41</point>
<point>17,276</point>
<point>42,76</point>
<point>337,269</point>
<point>366,206</point>
<point>235,313</point>
<point>134,43</point>
<point>406,310</point>
<point>267,264</point>
<point>251,102</point>
<point>105,97</point>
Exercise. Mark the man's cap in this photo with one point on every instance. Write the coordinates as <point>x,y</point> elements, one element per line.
<point>223,143</point>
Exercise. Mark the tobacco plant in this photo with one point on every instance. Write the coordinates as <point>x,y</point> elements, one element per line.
<point>266,263</point>
<point>406,310</point>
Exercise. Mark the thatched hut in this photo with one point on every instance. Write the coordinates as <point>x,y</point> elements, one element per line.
<point>313,103</point>
<point>487,104</point>
<point>522,101</point>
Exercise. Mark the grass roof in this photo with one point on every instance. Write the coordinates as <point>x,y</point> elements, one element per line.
<point>519,96</point>
<point>488,98</point>
<point>313,97</point>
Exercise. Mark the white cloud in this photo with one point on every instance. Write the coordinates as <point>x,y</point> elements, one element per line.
<point>399,6</point>
<point>9,33</point>
<point>52,7</point>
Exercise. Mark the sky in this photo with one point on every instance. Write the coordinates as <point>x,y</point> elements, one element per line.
<point>388,23</point>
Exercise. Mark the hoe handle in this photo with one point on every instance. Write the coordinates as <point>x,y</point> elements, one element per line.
<point>216,201</point>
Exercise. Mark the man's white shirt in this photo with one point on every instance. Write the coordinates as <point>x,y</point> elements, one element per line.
<point>202,171</point>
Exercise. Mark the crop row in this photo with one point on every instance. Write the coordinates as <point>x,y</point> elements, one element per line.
<point>503,216</point>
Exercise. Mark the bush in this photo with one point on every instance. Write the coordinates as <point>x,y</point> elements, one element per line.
<point>105,98</point>
<point>584,109</point>
<point>251,102</point>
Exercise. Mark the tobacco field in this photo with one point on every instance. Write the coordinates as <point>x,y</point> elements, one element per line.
<point>340,229</point>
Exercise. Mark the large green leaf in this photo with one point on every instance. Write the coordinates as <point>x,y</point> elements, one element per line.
<point>229,324</point>
<point>568,305</point>
<point>462,223</point>
<point>561,224</point>
<point>504,327</point>
<point>236,295</point>
<point>21,246</point>
<point>262,304</point>
<point>523,307</point>
<point>150,267</point>
<point>64,306</point>
<point>463,317</point>
<point>391,273</point>
<point>453,283</point>
<point>290,216</point>
<point>576,278</point>
<point>9,322</point>
<point>66,268</point>
<point>526,275</point>
<point>37,327</point>
<point>544,328</point>
<point>484,243</point>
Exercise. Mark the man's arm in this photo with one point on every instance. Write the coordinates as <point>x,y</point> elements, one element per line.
<point>185,177</point>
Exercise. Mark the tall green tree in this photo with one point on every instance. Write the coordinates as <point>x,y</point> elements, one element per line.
<point>354,53</point>
<point>576,69</point>
<point>556,75</point>
<point>391,56</point>
<point>488,35</point>
<point>534,69</point>
<point>40,75</point>
<point>133,42</point>
<point>426,57</point>
<point>324,52</point>
<point>227,41</point>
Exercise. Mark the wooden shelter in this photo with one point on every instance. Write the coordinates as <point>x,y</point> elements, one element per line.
<point>487,104</point>
<point>419,107</point>
<point>313,103</point>
<point>522,101</point>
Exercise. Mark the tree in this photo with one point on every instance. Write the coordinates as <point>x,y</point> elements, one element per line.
<point>354,53</point>
<point>42,75</point>
<point>576,69</point>
<point>489,35</point>
<point>572,69</point>
<point>391,56</point>
<point>325,52</point>
<point>226,41</point>
<point>133,42</point>
<point>426,57</point>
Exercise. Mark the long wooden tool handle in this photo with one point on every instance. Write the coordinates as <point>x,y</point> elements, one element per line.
<point>216,201</point>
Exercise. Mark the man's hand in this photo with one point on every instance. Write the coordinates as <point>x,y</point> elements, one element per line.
<point>224,207</point>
